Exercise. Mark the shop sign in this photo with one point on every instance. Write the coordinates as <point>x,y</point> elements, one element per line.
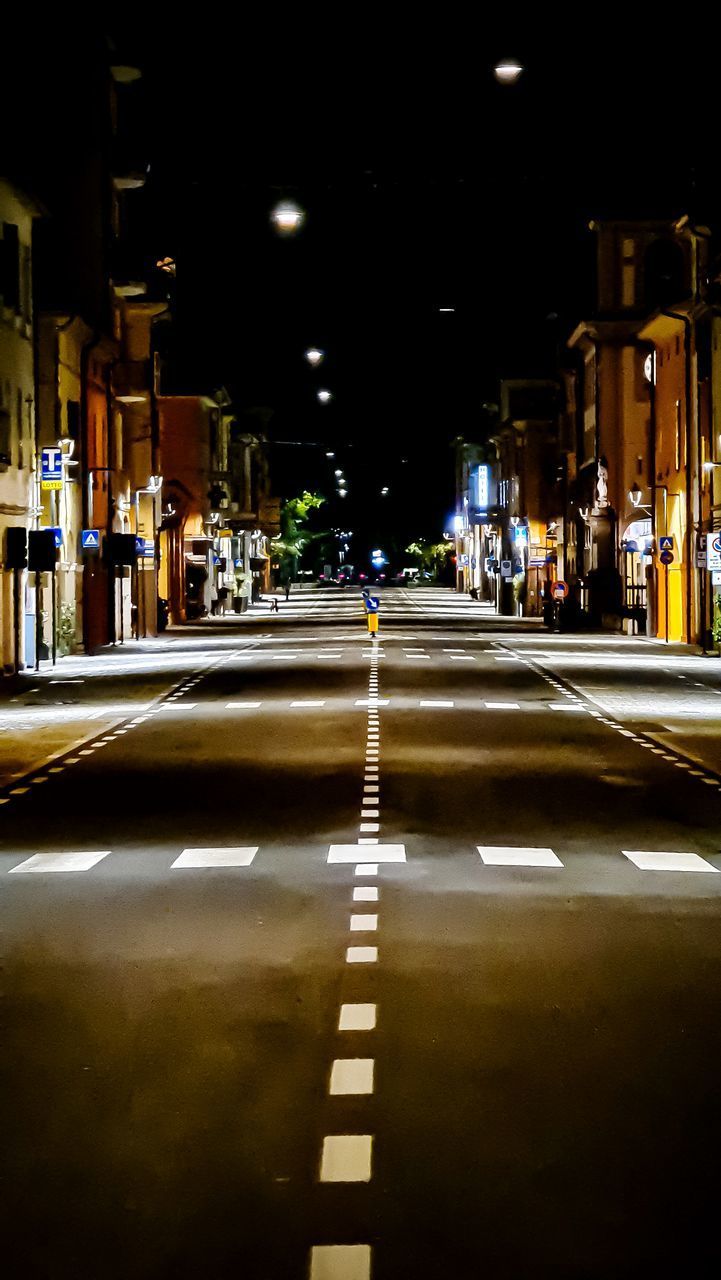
<point>713,550</point>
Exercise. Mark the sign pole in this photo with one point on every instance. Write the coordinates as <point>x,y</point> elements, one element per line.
<point>665,568</point>
<point>55,620</point>
<point>17,579</point>
<point>38,621</point>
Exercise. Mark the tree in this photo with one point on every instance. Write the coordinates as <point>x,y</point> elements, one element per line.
<point>294,538</point>
<point>430,556</point>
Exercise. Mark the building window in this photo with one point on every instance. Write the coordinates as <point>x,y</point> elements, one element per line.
<point>10,267</point>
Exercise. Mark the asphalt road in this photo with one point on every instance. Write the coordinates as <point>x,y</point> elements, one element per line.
<point>431,1021</point>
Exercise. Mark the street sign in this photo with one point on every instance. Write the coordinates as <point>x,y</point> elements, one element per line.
<point>716,578</point>
<point>506,569</point>
<point>666,543</point>
<point>51,468</point>
<point>474,562</point>
<point>90,539</point>
<point>56,531</point>
<point>560,590</point>
<point>666,557</point>
<point>713,550</point>
<point>148,547</point>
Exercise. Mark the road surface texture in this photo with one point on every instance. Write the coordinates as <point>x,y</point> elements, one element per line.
<point>330,959</point>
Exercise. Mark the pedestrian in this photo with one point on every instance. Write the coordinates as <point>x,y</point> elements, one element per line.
<point>274,604</point>
<point>287,590</point>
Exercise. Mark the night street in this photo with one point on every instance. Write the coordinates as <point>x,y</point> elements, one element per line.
<point>409,946</point>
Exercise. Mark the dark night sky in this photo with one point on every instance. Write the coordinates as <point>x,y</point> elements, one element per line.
<point>425,183</point>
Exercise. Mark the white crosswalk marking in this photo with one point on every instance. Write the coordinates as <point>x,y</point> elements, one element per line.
<point>42,862</point>
<point>517,856</point>
<point>648,861</point>
<point>224,857</point>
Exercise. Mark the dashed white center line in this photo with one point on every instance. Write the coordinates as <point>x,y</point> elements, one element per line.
<point>351,1076</point>
<point>309,702</point>
<point>436,702</point>
<point>241,706</point>
<point>361,955</point>
<point>503,706</point>
<point>357,1017</point>
<point>346,1158</point>
<point>365,893</point>
<point>363,923</point>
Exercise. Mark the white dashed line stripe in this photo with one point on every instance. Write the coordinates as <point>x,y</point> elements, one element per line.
<point>338,853</point>
<point>357,1017</point>
<point>346,1158</point>
<point>42,862</point>
<point>503,706</point>
<point>365,893</point>
<point>361,955</point>
<point>363,923</point>
<point>351,1076</point>
<point>241,706</point>
<point>435,702</point>
<point>308,702</point>
<point>517,856</point>
<point>228,857</point>
<point>646,860</point>
<point>340,1262</point>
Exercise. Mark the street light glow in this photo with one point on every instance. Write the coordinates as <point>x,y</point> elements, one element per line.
<point>330,453</point>
<point>314,356</point>
<point>287,217</point>
<point>508,70</point>
<point>324,396</point>
<point>342,493</point>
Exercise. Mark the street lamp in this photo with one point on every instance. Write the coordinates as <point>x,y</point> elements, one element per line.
<point>342,493</point>
<point>314,356</point>
<point>324,396</point>
<point>508,70</point>
<point>339,474</point>
<point>287,217</point>
<point>330,453</point>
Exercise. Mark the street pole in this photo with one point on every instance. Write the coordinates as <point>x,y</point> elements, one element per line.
<point>38,621</point>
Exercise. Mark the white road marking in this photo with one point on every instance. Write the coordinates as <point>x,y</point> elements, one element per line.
<point>647,861</point>
<point>363,923</point>
<point>351,1076</point>
<point>370,827</point>
<point>569,706</point>
<point>59,862</point>
<point>436,702</point>
<point>368,840</point>
<point>365,893</point>
<point>503,706</point>
<point>366,868</point>
<point>370,813</point>
<point>357,1017</point>
<point>230,857</point>
<point>173,706</point>
<point>456,658</point>
<point>517,856</point>
<point>346,1158</point>
<point>309,702</point>
<point>58,768</point>
<point>383,853</point>
<point>505,658</point>
<point>340,1262</point>
<point>89,752</point>
<point>369,788</point>
<point>238,706</point>
<point>19,791</point>
<point>361,955</point>
<point>372,702</point>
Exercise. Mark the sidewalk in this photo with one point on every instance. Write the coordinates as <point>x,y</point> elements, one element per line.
<point>45,714</point>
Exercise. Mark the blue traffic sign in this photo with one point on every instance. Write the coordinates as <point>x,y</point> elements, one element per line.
<point>90,539</point>
<point>51,468</point>
<point>666,557</point>
<point>372,604</point>
<point>54,528</point>
<point>665,543</point>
